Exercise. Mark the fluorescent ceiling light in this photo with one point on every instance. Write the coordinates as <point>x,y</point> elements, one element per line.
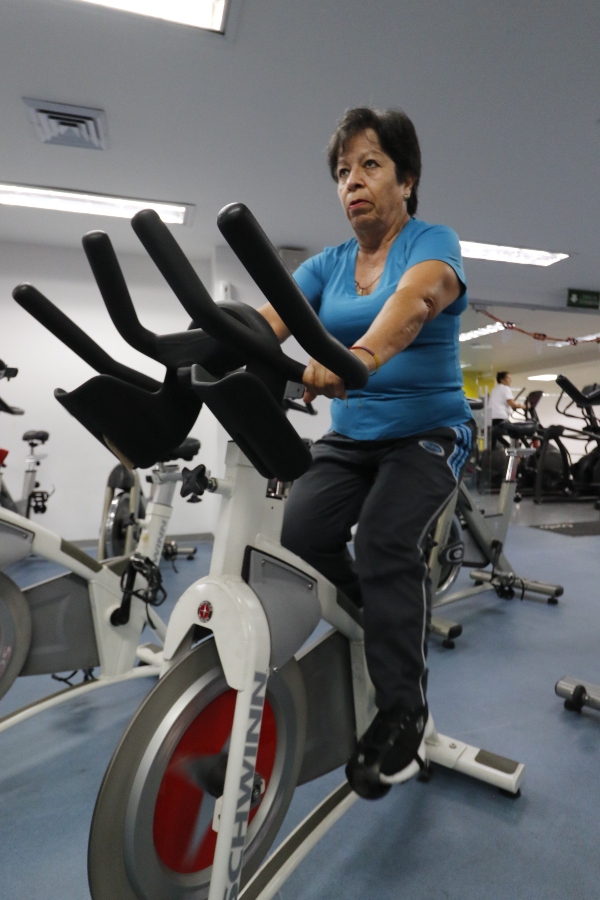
<point>589,337</point>
<point>207,14</point>
<point>495,253</point>
<point>91,204</point>
<point>480,332</point>
<point>542,377</point>
<point>466,365</point>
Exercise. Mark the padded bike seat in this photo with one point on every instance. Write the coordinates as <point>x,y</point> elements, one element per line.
<point>39,436</point>
<point>475,402</point>
<point>519,430</point>
<point>186,451</point>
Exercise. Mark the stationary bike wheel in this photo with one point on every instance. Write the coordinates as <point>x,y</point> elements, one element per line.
<point>115,527</point>
<point>15,632</point>
<point>151,836</point>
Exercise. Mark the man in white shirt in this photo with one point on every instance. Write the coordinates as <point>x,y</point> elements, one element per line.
<point>501,406</point>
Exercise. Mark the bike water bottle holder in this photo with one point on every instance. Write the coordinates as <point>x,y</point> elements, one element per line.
<point>153,594</point>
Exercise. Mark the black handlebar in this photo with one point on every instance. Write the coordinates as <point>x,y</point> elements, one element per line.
<point>109,278</point>
<point>256,253</point>
<point>42,309</point>
<point>581,399</point>
<point>179,274</point>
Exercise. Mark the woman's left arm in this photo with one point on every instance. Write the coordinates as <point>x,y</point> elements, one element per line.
<point>422,293</point>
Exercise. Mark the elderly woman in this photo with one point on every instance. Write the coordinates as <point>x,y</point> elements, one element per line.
<point>393,294</point>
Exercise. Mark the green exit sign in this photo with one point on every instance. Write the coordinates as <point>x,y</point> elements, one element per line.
<point>583,299</point>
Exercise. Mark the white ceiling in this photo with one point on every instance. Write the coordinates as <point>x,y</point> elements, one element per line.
<point>505,97</point>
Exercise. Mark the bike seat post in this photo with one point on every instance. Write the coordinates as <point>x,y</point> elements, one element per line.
<point>278,490</point>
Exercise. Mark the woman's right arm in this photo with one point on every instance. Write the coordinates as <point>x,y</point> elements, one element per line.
<point>275,321</point>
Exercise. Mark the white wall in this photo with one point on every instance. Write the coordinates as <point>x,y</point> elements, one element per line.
<point>77,465</point>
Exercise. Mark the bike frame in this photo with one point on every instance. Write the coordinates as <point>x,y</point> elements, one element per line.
<point>117,646</point>
<point>250,647</point>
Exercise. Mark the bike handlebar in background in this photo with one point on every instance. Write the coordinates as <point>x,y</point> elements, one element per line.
<point>581,399</point>
<point>257,254</point>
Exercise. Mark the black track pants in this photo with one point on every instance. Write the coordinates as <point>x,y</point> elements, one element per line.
<point>395,490</point>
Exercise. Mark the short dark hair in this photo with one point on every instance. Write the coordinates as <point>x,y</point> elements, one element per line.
<point>500,376</point>
<point>397,136</point>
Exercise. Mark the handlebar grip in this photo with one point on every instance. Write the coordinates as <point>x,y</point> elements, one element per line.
<point>575,394</point>
<point>181,277</point>
<point>256,253</point>
<point>62,327</point>
<point>109,278</point>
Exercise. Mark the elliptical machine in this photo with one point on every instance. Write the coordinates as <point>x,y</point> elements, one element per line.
<point>551,475</point>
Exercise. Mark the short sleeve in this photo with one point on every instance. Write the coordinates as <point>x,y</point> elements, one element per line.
<point>309,276</point>
<point>438,242</point>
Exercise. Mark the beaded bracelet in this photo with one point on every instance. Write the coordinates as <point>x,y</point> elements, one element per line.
<point>374,355</point>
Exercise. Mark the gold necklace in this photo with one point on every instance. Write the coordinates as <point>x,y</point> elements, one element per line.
<point>362,290</point>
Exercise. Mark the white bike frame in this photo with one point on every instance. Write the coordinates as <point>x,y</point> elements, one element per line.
<point>223,603</point>
<point>118,646</point>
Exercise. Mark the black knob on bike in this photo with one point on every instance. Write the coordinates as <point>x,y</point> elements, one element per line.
<point>194,481</point>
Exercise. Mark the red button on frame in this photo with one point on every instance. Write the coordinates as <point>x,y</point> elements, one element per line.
<point>205,611</point>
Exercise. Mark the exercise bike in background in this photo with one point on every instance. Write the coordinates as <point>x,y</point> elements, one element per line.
<point>94,615</point>
<point>467,537</point>
<point>32,498</point>
<point>125,507</point>
<point>198,787</point>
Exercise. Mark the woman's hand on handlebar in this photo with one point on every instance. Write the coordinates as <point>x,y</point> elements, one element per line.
<point>317,379</point>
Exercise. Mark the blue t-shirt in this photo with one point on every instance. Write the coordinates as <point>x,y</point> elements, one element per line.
<point>420,388</point>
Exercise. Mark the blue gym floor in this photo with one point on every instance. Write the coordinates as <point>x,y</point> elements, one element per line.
<point>452,838</point>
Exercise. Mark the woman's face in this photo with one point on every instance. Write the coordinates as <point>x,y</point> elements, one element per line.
<point>367,185</point>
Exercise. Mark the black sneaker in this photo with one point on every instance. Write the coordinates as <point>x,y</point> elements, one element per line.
<point>406,756</point>
<point>390,751</point>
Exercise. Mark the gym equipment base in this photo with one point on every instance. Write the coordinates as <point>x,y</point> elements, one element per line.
<point>503,773</point>
<point>45,703</point>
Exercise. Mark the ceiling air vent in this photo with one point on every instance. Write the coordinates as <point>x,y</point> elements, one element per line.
<point>69,126</point>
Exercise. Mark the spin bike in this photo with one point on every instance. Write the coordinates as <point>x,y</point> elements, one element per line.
<point>32,499</point>
<point>245,709</point>
<point>465,536</point>
<point>575,692</point>
<point>94,615</point>
<point>125,507</point>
